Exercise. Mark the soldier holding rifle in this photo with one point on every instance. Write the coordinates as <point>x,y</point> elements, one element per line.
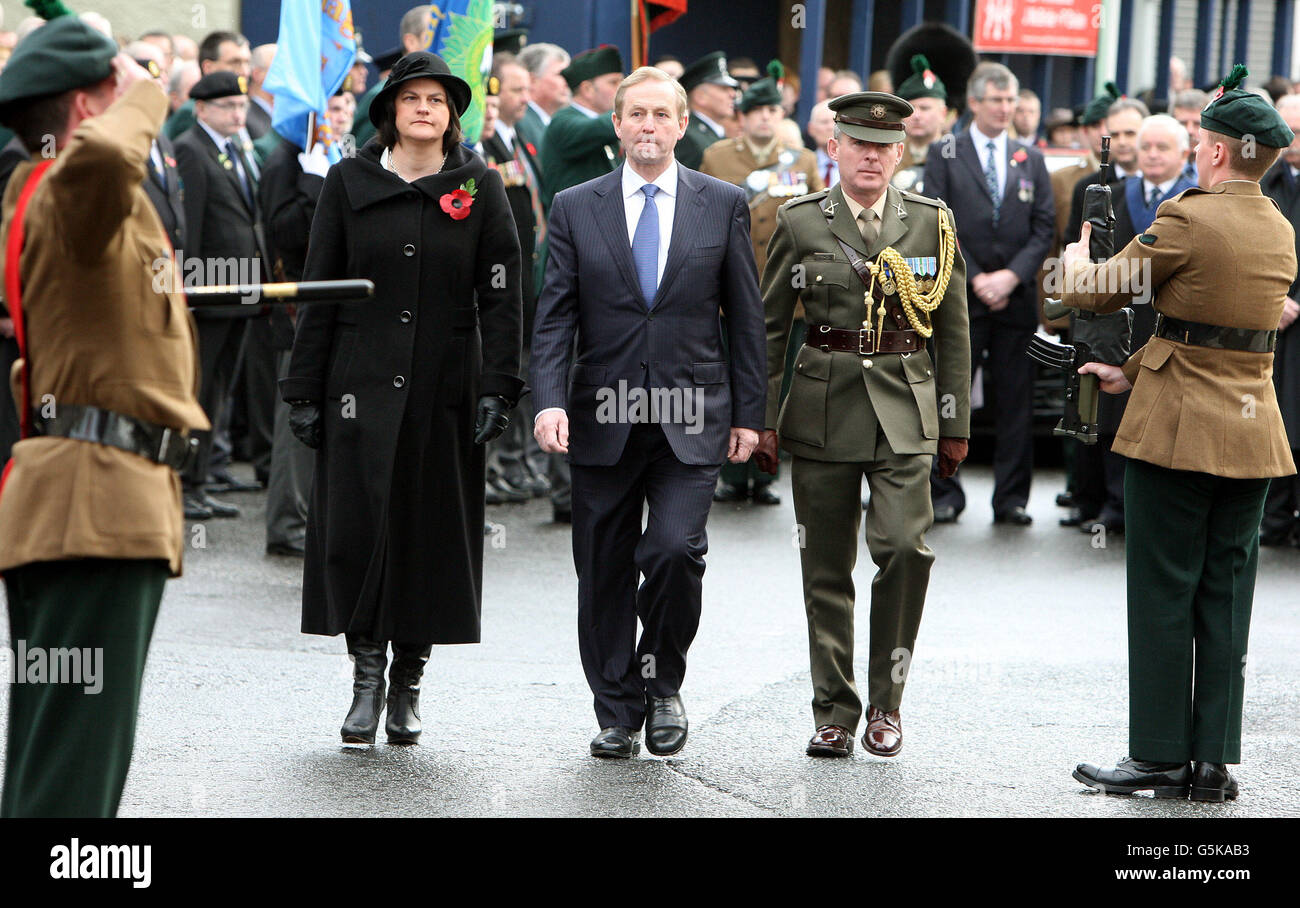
<point>1204,434</point>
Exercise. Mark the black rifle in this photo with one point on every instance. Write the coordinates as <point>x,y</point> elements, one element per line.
<point>1094,338</point>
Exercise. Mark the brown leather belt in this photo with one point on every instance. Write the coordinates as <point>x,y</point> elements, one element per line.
<point>863,342</point>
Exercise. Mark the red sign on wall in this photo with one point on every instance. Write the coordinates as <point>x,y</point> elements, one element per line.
<point>1066,27</point>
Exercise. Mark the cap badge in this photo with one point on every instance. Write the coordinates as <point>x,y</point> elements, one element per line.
<point>928,78</point>
<point>878,111</point>
<point>243,85</point>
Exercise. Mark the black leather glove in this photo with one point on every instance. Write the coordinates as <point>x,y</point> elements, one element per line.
<point>305,422</point>
<point>492,419</point>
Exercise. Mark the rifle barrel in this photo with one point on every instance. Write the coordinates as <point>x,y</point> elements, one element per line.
<point>289,292</point>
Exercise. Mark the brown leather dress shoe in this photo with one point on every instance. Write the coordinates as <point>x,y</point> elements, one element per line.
<point>831,741</point>
<point>884,734</point>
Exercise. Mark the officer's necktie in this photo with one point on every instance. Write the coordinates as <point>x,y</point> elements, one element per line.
<point>826,180</point>
<point>1152,197</point>
<point>645,245</point>
<point>241,170</point>
<point>867,220</point>
<point>991,180</point>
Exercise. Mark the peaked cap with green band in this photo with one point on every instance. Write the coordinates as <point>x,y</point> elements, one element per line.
<point>1096,109</point>
<point>1237,113</point>
<point>922,83</point>
<point>766,91</point>
<point>592,63</point>
<point>61,55</point>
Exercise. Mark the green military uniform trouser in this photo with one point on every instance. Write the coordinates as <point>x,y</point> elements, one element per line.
<point>828,506</point>
<point>1192,551</point>
<point>67,751</point>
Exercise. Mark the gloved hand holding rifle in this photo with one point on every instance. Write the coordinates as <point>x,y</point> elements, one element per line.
<point>1099,343</point>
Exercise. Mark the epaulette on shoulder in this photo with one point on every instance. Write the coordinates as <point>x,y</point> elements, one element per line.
<point>923,199</point>
<point>810,197</point>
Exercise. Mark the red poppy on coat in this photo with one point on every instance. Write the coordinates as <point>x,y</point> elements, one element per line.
<point>532,149</point>
<point>1019,157</point>
<point>457,204</point>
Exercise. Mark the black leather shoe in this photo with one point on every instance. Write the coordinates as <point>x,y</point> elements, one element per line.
<point>725,491</point>
<point>764,495</point>
<point>223,481</point>
<point>218,508</point>
<point>945,514</point>
<point>509,493</point>
<point>403,722</point>
<point>1065,500</point>
<point>1075,518</point>
<point>1129,776</point>
<point>1110,526</point>
<point>665,725</point>
<point>285,549</point>
<point>194,508</point>
<point>1277,537</point>
<point>561,515</point>
<point>616,743</point>
<point>1213,782</point>
<point>1016,517</point>
<point>368,660</point>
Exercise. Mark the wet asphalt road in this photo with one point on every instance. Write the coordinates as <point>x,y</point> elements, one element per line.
<point>1019,674</point>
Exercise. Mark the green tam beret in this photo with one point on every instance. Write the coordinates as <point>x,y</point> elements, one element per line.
<point>766,91</point>
<point>1237,113</point>
<point>923,83</point>
<point>59,56</point>
<point>1095,111</point>
<point>219,84</point>
<point>592,63</point>
<point>709,68</point>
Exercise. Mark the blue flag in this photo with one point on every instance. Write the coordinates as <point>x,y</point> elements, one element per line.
<point>460,31</point>
<point>314,52</point>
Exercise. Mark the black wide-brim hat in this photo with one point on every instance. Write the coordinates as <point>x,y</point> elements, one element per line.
<point>421,65</point>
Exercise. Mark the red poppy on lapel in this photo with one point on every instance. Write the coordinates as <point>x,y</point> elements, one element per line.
<point>532,149</point>
<point>1019,156</point>
<point>458,202</point>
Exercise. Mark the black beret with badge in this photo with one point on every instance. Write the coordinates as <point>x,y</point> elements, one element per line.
<point>872,116</point>
<point>1237,113</point>
<point>61,55</point>
<point>766,92</point>
<point>592,64</point>
<point>219,84</point>
<point>709,68</point>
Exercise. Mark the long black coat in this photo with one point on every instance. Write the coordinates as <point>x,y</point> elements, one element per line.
<point>395,530</point>
<point>1286,358</point>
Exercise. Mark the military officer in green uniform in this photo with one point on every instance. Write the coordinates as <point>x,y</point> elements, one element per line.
<point>771,175</point>
<point>90,513</point>
<point>1203,434</point>
<point>881,386</point>
<point>711,95</point>
<point>580,142</point>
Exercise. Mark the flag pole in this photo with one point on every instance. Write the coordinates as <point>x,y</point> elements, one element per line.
<point>638,45</point>
<point>311,131</point>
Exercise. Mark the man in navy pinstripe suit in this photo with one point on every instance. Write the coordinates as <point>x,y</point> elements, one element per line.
<point>641,262</point>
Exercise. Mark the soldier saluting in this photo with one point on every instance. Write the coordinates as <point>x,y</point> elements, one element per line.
<point>881,278</point>
<point>1203,435</point>
<point>90,515</point>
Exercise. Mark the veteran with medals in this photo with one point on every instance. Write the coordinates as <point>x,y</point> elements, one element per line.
<point>881,386</point>
<point>1204,435</point>
<point>771,175</point>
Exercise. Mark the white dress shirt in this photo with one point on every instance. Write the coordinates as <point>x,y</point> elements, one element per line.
<point>585,111</point>
<point>545,117</point>
<point>665,203</point>
<point>220,141</point>
<point>716,127</point>
<point>1164,188</point>
<point>999,155</point>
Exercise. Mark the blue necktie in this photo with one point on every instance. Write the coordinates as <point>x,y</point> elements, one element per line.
<point>1153,197</point>
<point>645,245</point>
<point>991,179</point>
<point>240,172</point>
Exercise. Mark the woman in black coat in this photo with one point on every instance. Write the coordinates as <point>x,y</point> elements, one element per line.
<point>399,393</point>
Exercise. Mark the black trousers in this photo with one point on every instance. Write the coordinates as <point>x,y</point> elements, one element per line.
<point>1282,504</point>
<point>610,549</point>
<point>1011,374</point>
<point>219,341</point>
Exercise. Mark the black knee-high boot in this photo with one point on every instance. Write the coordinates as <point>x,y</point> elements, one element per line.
<point>403,723</point>
<point>369,657</point>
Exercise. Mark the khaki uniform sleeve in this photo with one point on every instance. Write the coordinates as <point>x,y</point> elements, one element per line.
<point>103,165</point>
<point>1141,266</point>
<point>952,352</point>
<point>779,297</point>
